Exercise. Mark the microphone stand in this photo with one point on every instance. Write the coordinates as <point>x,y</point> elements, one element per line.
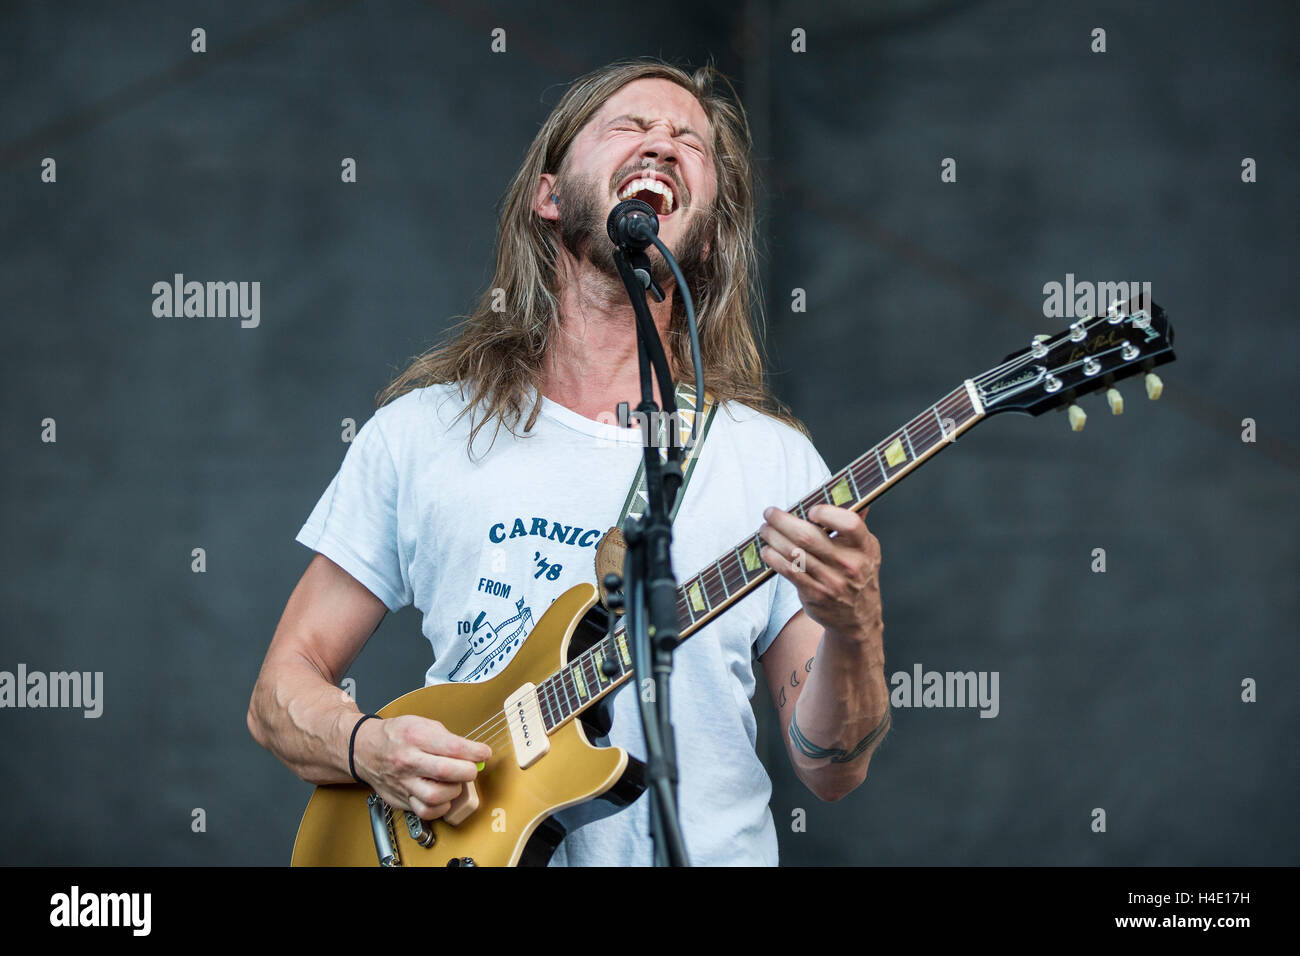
<point>650,588</point>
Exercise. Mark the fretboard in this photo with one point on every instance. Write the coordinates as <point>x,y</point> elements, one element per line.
<point>741,570</point>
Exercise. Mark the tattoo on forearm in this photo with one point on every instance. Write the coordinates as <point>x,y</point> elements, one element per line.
<point>794,681</point>
<point>836,755</point>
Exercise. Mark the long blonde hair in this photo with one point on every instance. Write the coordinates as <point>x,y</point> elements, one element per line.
<point>498,356</point>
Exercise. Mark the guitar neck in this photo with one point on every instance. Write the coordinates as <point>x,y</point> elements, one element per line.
<point>1132,338</point>
<point>740,570</point>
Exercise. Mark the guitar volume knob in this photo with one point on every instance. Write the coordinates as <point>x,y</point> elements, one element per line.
<point>421,832</point>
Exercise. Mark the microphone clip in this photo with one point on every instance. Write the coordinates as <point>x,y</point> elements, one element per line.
<point>632,225</point>
<point>640,264</point>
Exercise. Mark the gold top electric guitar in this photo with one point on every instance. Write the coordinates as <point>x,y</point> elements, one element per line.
<point>541,712</point>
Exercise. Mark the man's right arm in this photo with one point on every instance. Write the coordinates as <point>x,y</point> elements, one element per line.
<point>299,713</point>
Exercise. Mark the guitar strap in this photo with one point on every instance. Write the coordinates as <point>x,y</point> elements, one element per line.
<point>687,409</point>
<point>609,553</point>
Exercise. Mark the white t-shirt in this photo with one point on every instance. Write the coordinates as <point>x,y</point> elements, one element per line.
<point>483,547</point>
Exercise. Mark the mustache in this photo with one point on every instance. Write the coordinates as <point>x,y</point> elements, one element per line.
<point>581,230</point>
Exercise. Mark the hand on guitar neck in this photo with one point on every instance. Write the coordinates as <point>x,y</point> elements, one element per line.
<point>416,764</point>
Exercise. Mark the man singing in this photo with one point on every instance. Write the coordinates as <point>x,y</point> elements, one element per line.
<point>480,488</point>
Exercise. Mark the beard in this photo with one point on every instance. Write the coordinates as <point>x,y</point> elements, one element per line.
<point>583,216</point>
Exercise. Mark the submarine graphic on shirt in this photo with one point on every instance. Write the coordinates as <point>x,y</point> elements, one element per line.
<point>542,547</point>
<point>492,645</point>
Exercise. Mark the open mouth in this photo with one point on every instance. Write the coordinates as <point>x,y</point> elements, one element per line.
<point>650,189</point>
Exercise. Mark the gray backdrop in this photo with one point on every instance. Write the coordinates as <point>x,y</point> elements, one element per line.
<point>1119,690</point>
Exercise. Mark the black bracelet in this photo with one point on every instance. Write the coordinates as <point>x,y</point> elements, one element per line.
<point>352,766</point>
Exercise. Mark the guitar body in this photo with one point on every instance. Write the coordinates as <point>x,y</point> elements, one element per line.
<point>515,822</point>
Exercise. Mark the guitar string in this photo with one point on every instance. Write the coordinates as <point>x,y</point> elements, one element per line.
<point>492,729</point>
<point>924,434</point>
<point>498,725</point>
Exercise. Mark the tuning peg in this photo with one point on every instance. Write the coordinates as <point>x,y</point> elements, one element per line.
<point>1115,400</point>
<point>1078,418</point>
<point>1155,387</point>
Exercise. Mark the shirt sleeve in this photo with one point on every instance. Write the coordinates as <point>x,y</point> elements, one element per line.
<point>355,522</point>
<point>805,470</point>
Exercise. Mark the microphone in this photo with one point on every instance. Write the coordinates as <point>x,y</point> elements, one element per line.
<point>632,223</point>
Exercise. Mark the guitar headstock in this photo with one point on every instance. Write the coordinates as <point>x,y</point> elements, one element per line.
<point>1091,355</point>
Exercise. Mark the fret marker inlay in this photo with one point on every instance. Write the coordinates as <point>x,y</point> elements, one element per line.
<point>841,493</point>
<point>697,599</point>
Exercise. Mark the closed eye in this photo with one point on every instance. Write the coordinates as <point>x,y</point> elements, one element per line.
<point>691,143</point>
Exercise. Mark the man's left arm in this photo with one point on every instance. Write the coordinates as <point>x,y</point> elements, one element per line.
<point>826,669</point>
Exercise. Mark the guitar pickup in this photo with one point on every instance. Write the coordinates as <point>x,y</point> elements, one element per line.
<point>527,731</point>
